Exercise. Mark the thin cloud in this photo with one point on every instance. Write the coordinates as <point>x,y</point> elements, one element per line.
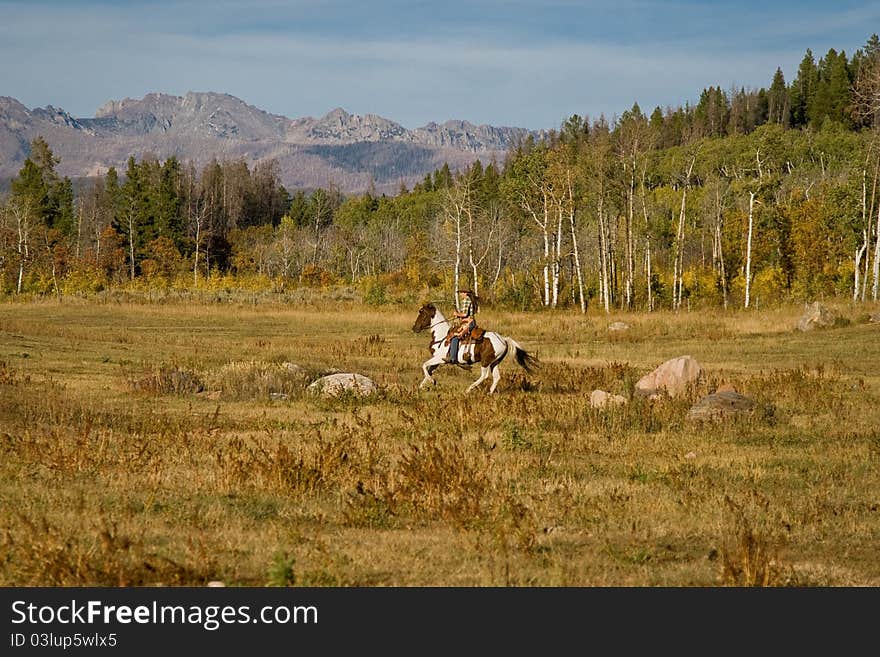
<point>502,72</point>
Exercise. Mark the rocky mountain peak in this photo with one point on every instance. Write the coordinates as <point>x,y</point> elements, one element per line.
<point>350,150</point>
<point>338,126</point>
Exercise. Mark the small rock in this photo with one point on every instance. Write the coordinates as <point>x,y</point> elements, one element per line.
<point>334,385</point>
<point>600,398</point>
<point>691,455</point>
<point>618,326</point>
<point>216,583</point>
<point>278,396</point>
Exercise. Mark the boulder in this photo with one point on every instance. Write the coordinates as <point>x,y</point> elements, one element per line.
<point>334,385</point>
<point>815,316</point>
<point>618,326</point>
<point>721,405</point>
<point>600,398</point>
<point>674,377</point>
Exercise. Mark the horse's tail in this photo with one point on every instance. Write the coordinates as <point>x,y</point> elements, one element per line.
<point>525,360</point>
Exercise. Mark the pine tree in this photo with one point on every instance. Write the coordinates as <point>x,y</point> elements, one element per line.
<point>38,184</point>
<point>778,106</point>
<point>63,218</point>
<point>133,221</point>
<point>803,90</point>
<point>832,97</point>
<point>299,209</point>
<point>31,187</point>
<point>167,201</point>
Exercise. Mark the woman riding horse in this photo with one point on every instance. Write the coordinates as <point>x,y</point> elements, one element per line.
<point>467,322</point>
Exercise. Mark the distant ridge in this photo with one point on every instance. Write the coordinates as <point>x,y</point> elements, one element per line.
<point>351,151</point>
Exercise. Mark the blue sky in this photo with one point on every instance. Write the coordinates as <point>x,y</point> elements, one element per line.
<point>516,62</point>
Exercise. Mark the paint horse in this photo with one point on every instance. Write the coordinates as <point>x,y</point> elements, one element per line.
<point>488,351</point>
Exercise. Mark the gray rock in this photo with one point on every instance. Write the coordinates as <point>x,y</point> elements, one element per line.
<point>721,405</point>
<point>618,326</point>
<point>815,316</point>
<point>334,385</point>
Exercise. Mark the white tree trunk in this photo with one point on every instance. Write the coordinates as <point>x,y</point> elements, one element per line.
<point>557,258</point>
<point>857,269</point>
<point>196,255</point>
<point>603,262</point>
<point>470,246</point>
<point>649,290</point>
<point>678,267</point>
<point>630,248</point>
<point>866,220</point>
<point>875,285</point>
<point>545,228</point>
<point>22,221</point>
<point>678,271</point>
<point>456,274</point>
<point>574,246</point>
<point>79,218</point>
<point>718,248</point>
<point>131,240</point>
<point>749,250</point>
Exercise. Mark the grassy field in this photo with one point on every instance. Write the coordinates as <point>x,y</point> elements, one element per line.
<point>167,443</point>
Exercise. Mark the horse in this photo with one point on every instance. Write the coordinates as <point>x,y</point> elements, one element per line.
<point>488,352</point>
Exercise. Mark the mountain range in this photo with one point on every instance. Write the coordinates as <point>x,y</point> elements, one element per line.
<point>353,152</point>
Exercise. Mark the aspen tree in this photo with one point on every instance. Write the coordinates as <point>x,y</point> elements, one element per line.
<point>749,249</point>
<point>678,270</point>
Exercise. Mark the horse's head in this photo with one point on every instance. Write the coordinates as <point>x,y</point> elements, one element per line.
<point>423,321</point>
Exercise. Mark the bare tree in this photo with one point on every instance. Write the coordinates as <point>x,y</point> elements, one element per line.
<point>455,207</point>
<point>200,211</point>
<point>633,137</point>
<point>718,245</point>
<point>574,245</point>
<point>749,249</point>
<point>22,215</point>
<point>678,267</point>
<point>866,92</point>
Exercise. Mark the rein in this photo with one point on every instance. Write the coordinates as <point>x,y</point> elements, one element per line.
<point>442,321</point>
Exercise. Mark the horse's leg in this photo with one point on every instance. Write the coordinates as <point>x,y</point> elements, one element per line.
<point>428,368</point>
<point>496,377</point>
<point>484,374</point>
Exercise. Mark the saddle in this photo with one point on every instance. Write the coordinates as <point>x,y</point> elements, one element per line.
<point>474,335</point>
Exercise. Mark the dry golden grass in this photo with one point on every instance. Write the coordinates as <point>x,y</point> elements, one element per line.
<point>148,443</point>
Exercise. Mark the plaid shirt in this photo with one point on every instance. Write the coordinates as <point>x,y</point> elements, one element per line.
<point>467,307</point>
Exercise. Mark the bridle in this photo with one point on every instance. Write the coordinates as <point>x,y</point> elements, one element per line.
<point>437,323</point>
